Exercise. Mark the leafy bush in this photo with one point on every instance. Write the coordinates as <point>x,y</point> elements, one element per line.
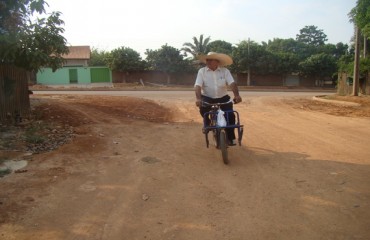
<point>34,135</point>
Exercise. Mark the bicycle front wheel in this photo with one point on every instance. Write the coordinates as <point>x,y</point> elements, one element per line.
<point>223,146</point>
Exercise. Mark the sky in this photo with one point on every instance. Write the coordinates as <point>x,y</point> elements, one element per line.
<point>150,24</point>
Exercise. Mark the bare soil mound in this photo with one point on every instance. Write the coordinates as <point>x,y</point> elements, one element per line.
<point>335,109</point>
<point>112,168</point>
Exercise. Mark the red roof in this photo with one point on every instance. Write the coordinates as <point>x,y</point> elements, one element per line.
<point>78,52</point>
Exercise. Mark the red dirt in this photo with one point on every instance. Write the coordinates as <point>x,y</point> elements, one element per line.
<point>139,169</point>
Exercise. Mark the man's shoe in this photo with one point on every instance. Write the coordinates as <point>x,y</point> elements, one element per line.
<point>232,142</point>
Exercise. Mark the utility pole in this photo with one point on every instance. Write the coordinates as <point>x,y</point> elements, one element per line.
<point>249,68</point>
<point>356,70</point>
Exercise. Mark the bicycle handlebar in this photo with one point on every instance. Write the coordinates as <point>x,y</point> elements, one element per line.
<point>217,104</point>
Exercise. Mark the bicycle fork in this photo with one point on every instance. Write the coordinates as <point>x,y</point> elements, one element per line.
<point>216,136</point>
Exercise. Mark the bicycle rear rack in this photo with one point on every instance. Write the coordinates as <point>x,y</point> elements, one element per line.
<point>212,116</point>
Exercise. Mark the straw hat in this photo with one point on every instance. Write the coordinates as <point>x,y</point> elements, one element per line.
<point>222,58</point>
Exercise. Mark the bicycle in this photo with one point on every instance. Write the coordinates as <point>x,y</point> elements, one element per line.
<point>219,132</point>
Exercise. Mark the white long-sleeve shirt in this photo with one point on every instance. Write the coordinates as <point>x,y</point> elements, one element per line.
<point>214,83</point>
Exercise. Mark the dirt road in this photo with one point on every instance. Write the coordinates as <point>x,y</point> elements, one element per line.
<point>139,169</point>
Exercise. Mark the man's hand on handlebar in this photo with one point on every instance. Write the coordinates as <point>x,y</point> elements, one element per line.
<point>198,102</point>
<point>237,99</point>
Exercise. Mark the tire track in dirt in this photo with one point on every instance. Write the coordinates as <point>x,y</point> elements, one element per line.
<point>291,179</point>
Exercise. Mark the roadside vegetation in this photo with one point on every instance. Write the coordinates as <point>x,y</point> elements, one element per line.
<point>31,38</point>
<point>308,54</point>
<point>3,170</point>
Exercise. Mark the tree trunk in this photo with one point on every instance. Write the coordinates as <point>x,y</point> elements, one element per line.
<point>249,77</point>
<point>356,71</point>
<point>249,68</point>
<point>123,78</point>
<point>127,77</point>
<point>14,95</point>
<point>365,46</point>
<point>168,78</point>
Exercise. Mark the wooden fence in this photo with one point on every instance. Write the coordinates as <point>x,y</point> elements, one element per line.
<point>14,98</point>
<point>159,77</point>
<point>345,84</point>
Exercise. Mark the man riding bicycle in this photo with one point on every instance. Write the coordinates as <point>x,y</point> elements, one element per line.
<point>211,86</point>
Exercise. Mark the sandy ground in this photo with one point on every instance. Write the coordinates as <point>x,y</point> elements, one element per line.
<point>139,169</point>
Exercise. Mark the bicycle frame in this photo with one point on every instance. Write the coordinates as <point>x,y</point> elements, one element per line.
<point>212,116</point>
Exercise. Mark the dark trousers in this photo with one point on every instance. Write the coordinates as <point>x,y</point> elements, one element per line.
<point>227,107</point>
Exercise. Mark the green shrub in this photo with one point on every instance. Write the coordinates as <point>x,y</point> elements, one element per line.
<point>4,172</point>
<point>33,134</point>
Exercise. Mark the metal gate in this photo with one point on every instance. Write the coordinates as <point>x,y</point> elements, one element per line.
<point>292,80</point>
<point>99,75</point>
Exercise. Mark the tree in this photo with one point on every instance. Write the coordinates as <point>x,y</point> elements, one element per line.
<point>197,47</point>
<point>253,57</point>
<point>299,49</point>
<point>288,53</point>
<point>310,35</point>
<point>220,47</point>
<point>360,15</point>
<point>286,63</point>
<point>319,66</point>
<point>168,60</point>
<point>241,57</point>
<point>337,50</point>
<point>124,59</point>
<point>99,58</point>
<point>28,41</point>
<point>279,45</point>
<point>364,66</point>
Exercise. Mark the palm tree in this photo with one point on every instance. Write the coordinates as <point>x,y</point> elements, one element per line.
<point>199,47</point>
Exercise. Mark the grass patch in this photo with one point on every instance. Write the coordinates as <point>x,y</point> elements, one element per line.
<point>4,172</point>
<point>37,115</point>
<point>2,160</point>
<point>33,134</point>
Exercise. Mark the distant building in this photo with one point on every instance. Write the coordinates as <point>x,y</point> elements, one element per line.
<point>75,71</point>
<point>78,56</point>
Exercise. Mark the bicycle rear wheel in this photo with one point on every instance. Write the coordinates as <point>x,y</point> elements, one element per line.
<point>223,146</point>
